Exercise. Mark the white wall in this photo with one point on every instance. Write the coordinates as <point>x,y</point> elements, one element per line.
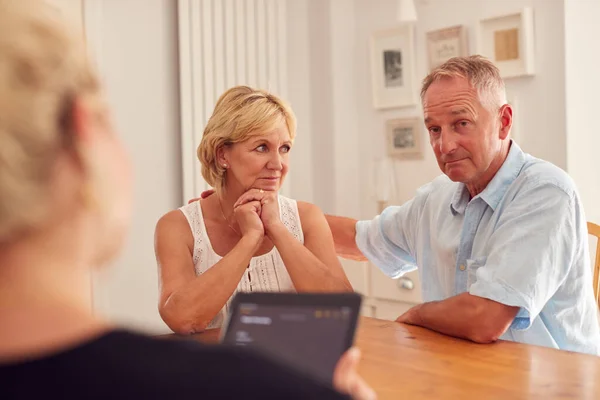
<point>139,63</point>
<point>326,158</point>
<point>321,104</point>
<point>583,86</point>
<point>299,97</point>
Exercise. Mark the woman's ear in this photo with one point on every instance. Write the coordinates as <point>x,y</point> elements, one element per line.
<point>222,157</point>
<point>77,123</point>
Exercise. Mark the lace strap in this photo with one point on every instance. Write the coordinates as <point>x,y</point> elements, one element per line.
<point>288,211</point>
<point>193,214</point>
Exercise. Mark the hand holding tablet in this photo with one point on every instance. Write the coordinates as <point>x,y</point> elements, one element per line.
<point>308,331</point>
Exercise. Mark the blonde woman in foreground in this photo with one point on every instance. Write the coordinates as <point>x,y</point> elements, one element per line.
<point>64,209</point>
<point>245,237</point>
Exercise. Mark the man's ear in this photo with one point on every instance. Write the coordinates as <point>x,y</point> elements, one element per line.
<point>506,120</point>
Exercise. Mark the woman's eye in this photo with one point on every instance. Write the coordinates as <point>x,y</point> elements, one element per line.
<point>262,148</point>
<point>286,148</point>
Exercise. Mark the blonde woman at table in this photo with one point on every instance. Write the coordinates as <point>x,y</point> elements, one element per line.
<point>64,208</point>
<point>244,237</point>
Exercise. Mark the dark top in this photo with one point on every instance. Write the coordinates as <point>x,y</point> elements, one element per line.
<point>122,364</point>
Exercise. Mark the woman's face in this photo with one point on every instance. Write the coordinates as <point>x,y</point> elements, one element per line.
<point>260,162</point>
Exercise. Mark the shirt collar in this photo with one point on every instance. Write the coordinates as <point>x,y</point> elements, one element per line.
<point>497,187</point>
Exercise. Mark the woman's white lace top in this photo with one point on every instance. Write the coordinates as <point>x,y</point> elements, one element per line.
<point>265,273</point>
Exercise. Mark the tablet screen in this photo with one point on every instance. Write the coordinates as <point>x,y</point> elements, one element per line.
<point>311,337</point>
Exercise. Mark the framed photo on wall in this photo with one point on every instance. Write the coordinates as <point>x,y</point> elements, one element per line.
<point>508,42</point>
<point>443,44</point>
<point>404,138</point>
<point>392,68</point>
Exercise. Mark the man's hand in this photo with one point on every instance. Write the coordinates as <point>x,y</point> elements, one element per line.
<point>465,316</point>
<point>203,195</point>
<point>411,316</point>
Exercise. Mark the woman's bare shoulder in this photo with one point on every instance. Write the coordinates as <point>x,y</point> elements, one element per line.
<point>309,214</point>
<point>174,224</point>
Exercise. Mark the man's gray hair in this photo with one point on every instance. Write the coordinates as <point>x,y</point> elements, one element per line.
<point>481,73</point>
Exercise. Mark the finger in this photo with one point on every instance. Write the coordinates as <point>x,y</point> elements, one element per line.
<point>249,196</point>
<point>271,197</point>
<point>206,193</point>
<point>261,190</point>
<point>245,199</point>
<point>250,206</point>
<point>342,376</point>
<point>360,390</point>
<point>347,380</point>
<point>257,206</point>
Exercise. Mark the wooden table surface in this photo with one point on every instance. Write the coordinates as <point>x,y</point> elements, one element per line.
<point>402,361</point>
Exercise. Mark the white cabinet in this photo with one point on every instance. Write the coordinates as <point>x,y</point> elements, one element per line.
<point>390,310</point>
<point>390,298</point>
<point>358,275</point>
<point>384,298</point>
<point>404,289</point>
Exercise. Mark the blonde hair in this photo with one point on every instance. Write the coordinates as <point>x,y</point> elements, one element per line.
<point>43,68</point>
<point>481,73</point>
<point>240,113</point>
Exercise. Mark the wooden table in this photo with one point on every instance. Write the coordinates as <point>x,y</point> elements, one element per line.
<point>402,361</point>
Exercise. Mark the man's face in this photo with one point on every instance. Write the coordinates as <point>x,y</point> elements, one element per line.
<point>466,137</point>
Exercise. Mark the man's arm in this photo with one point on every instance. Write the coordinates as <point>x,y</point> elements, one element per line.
<point>344,237</point>
<point>531,251</point>
<point>466,316</point>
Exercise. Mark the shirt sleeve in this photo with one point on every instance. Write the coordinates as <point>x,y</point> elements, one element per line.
<point>530,251</point>
<point>388,240</point>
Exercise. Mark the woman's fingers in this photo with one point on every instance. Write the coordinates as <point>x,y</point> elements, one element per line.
<point>252,195</point>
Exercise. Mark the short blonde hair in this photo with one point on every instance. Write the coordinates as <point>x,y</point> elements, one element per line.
<point>481,73</point>
<point>43,68</point>
<point>240,113</point>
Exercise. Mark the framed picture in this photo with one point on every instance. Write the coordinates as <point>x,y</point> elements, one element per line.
<point>508,42</point>
<point>444,44</point>
<point>404,138</point>
<point>392,68</point>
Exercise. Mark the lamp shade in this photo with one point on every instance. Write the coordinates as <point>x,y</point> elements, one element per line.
<point>407,11</point>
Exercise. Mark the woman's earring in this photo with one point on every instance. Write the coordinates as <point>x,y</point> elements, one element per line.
<point>224,165</point>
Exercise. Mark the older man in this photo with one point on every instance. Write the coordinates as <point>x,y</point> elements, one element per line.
<point>500,239</point>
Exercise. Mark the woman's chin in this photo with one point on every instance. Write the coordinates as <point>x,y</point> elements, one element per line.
<point>271,186</point>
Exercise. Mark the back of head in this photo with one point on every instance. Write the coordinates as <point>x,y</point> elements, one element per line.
<point>43,67</point>
<point>481,73</point>
<point>240,113</point>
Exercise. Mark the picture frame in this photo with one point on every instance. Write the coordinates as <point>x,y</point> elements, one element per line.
<point>443,44</point>
<point>508,41</point>
<point>393,67</point>
<point>404,138</point>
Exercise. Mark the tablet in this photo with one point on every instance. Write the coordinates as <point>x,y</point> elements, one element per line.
<point>308,331</point>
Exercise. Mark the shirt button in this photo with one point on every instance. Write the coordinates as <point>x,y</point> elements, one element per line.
<point>462,267</point>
